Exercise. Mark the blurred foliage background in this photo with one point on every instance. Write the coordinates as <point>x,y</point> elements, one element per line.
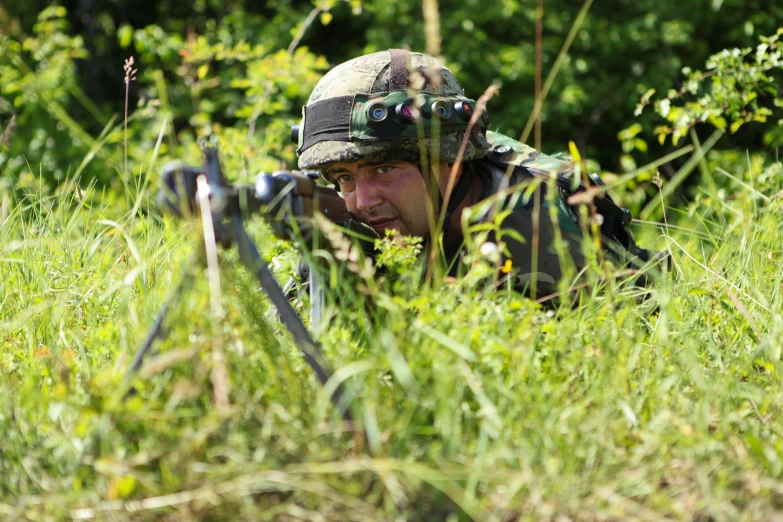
<point>244,69</point>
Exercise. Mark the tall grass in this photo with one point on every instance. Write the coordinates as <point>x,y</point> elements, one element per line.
<point>477,403</point>
<point>470,402</point>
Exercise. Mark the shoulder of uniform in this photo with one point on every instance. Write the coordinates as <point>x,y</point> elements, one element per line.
<point>505,149</point>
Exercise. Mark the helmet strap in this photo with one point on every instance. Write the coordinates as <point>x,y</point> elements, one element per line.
<point>398,75</point>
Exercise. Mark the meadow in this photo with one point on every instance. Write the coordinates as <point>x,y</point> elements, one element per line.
<point>469,401</point>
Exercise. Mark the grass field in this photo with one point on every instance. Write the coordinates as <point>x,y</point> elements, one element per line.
<point>477,404</point>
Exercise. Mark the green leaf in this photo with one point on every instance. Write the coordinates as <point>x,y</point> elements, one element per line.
<point>646,96</point>
<point>574,151</point>
<point>125,36</point>
<point>630,132</point>
<point>718,121</point>
<point>126,486</point>
<point>662,107</point>
<point>444,340</point>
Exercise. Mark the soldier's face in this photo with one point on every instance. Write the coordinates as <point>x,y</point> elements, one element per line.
<point>388,195</point>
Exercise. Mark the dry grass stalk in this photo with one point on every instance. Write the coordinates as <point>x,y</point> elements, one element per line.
<point>219,374</point>
<point>130,75</point>
<point>432,27</point>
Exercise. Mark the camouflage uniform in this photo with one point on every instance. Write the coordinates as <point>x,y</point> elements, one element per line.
<point>358,111</point>
<point>539,268</point>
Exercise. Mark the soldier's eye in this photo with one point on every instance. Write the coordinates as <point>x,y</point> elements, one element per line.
<point>383,169</point>
<point>343,179</point>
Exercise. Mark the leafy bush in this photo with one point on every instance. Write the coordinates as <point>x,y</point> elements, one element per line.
<point>37,79</point>
<point>731,93</point>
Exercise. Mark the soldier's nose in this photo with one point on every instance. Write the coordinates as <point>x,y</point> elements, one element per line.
<point>367,195</point>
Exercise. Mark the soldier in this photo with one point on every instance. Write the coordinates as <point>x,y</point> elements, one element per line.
<point>392,131</point>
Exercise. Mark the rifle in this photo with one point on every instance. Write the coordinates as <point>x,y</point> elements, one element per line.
<point>280,197</point>
<point>287,199</point>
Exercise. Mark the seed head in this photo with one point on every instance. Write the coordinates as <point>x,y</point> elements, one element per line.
<point>130,72</point>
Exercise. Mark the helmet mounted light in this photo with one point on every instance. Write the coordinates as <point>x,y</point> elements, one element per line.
<point>406,112</point>
<point>384,116</point>
<point>442,110</point>
<point>464,110</point>
<point>377,112</point>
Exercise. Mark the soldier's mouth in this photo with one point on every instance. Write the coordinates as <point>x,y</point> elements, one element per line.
<point>383,224</point>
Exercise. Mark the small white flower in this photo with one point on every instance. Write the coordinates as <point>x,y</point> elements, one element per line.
<point>490,252</point>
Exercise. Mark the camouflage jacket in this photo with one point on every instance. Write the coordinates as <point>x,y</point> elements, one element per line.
<point>534,263</point>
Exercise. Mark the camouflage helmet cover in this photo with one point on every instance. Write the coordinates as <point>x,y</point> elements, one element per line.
<point>352,90</point>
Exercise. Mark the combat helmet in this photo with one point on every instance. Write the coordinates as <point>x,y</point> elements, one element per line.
<point>382,106</point>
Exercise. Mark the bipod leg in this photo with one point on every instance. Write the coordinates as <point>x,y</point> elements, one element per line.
<point>250,257</point>
<point>156,331</point>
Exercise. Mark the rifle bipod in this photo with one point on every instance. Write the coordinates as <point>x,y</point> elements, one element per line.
<point>233,232</point>
<point>251,258</point>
